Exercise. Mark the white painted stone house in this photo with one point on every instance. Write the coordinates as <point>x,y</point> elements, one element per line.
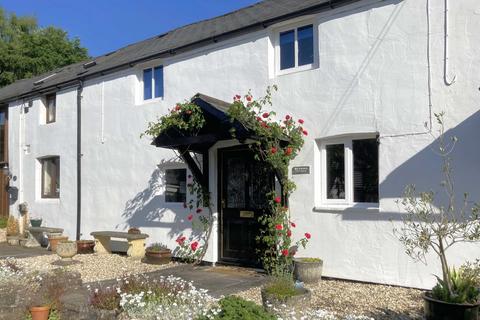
<point>358,72</point>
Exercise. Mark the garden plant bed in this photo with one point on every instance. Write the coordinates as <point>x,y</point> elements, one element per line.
<point>346,298</point>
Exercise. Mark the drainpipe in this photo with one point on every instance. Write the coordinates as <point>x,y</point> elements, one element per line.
<point>79,158</point>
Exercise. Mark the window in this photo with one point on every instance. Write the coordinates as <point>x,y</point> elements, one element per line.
<point>296,48</point>
<point>350,171</point>
<point>153,83</point>
<point>50,177</point>
<point>50,108</point>
<point>175,185</point>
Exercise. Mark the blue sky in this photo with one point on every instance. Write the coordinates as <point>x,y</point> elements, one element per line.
<point>106,25</point>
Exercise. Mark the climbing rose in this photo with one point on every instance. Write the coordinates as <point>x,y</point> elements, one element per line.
<point>180,240</point>
<point>265,114</point>
<point>308,235</point>
<point>279,227</point>
<point>178,107</point>
<point>249,98</point>
<point>288,151</point>
<point>199,210</point>
<point>287,117</point>
<point>293,224</point>
<point>300,121</point>
<point>285,252</point>
<point>305,132</point>
<point>273,150</point>
<point>190,217</point>
<point>277,199</point>
<point>289,233</point>
<point>259,119</point>
<point>194,245</point>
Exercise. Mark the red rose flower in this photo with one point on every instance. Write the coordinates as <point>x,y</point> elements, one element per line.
<point>189,112</point>
<point>308,235</point>
<point>178,107</point>
<point>305,132</point>
<point>285,252</point>
<point>288,151</point>
<point>265,125</point>
<point>278,199</point>
<point>194,245</point>
<point>190,217</point>
<point>259,119</point>
<point>199,210</point>
<point>293,224</point>
<point>287,117</point>
<point>265,114</point>
<point>249,98</point>
<point>279,227</point>
<point>273,150</point>
<point>300,121</point>
<point>289,233</point>
<point>180,240</point>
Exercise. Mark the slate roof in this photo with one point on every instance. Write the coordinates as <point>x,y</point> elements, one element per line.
<point>248,19</point>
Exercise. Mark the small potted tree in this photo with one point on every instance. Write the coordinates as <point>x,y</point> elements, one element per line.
<point>157,253</point>
<point>430,225</point>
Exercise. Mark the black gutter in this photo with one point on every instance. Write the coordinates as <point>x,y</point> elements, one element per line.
<point>328,5</point>
<point>79,158</point>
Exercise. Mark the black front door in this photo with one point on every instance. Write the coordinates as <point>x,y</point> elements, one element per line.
<point>244,183</point>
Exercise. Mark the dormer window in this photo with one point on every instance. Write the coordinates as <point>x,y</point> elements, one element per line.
<point>153,83</point>
<point>50,108</point>
<point>296,49</point>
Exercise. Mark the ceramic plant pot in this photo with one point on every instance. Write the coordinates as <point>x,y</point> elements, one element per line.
<point>39,313</point>
<point>66,249</point>
<point>85,246</point>
<point>439,310</point>
<point>308,270</point>
<point>158,256</point>
<point>271,302</point>
<point>53,241</point>
<point>36,222</point>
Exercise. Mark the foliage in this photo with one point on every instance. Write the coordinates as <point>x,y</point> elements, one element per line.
<point>3,222</point>
<point>472,270</point>
<point>157,247</point>
<point>431,225</point>
<point>27,50</point>
<point>309,260</point>
<point>281,287</point>
<point>235,308</point>
<point>463,290</point>
<point>105,298</point>
<point>12,226</point>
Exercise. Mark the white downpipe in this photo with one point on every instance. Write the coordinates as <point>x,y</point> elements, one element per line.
<point>21,151</point>
<point>445,49</point>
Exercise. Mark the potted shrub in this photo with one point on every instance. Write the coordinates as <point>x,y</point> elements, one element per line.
<point>3,229</point>
<point>85,246</point>
<point>430,225</point>
<point>308,270</point>
<point>12,231</point>
<point>158,253</point>
<point>281,291</point>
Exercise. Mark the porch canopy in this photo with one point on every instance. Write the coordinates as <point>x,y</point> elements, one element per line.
<point>217,127</point>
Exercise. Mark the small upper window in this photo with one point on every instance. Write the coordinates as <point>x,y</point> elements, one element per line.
<point>351,171</point>
<point>175,185</point>
<point>50,108</point>
<point>296,47</point>
<point>50,177</point>
<point>153,83</point>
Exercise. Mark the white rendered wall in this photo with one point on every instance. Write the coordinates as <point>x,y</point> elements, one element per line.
<point>372,77</point>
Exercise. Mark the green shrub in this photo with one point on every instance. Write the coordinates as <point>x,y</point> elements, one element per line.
<point>281,287</point>
<point>235,308</point>
<point>3,222</point>
<point>463,287</point>
<point>308,259</point>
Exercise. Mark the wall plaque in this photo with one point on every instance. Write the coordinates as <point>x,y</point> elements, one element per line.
<point>301,170</point>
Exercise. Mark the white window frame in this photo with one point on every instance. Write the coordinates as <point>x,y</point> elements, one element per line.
<point>295,27</point>
<point>340,204</point>
<point>142,99</point>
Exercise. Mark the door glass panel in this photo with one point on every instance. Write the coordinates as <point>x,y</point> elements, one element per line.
<point>335,171</point>
<point>236,180</point>
<point>365,170</point>
<point>259,187</point>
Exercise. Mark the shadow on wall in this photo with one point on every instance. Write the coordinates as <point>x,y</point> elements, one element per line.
<point>149,210</point>
<point>424,170</point>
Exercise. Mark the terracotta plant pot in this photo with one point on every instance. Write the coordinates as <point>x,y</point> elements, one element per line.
<point>439,310</point>
<point>85,246</point>
<point>308,270</point>
<point>54,240</point>
<point>39,313</point>
<point>158,256</point>
<point>66,249</point>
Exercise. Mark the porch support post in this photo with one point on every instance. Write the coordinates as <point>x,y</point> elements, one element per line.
<point>192,165</point>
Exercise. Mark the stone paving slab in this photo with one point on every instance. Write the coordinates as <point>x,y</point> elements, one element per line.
<point>7,250</point>
<point>219,281</point>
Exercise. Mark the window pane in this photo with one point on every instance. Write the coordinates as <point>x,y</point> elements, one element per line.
<point>176,185</point>
<point>335,171</point>
<point>158,75</point>
<point>365,170</point>
<point>287,49</point>
<point>51,108</point>
<point>50,177</point>
<point>147,84</point>
<point>305,45</point>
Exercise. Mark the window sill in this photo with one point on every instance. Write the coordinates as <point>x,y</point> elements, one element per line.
<point>49,200</point>
<point>356,208</point>
<point>284,72</point>
<point>150,101</point>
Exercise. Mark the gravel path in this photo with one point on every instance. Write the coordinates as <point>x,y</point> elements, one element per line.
<point>92,267</point>
<point>353,298</point>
